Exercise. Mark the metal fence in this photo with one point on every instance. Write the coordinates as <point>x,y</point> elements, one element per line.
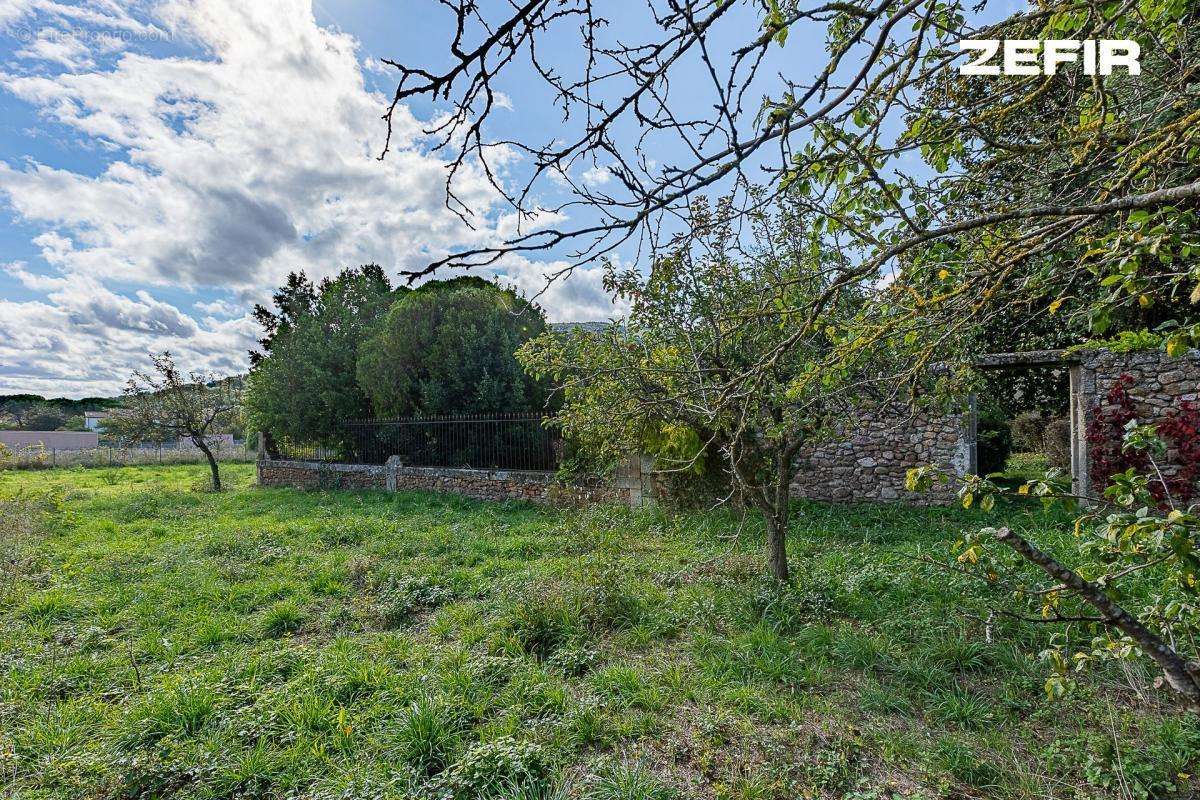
<point>493,441</point>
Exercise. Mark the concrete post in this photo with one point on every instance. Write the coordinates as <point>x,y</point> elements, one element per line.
<point>1081,484</point>
<point>389,472</point>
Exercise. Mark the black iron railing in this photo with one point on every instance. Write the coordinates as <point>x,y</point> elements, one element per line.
<point>494,441</point>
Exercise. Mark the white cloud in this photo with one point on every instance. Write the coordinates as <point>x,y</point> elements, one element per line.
<point>596,176</point>
<point>578,298</point>
<point>224,170</point>
<point>57,47</point>
<point>217,308</point>
<point>240,165</point>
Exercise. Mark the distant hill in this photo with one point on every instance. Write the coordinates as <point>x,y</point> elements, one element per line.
<point>590,327</point>
<point>69,406</point>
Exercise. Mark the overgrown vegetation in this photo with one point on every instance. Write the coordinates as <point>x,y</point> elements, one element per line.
<point>355,347</point>
<point>718,307</point>
<point>159,642</point>
<point>1130,581</point>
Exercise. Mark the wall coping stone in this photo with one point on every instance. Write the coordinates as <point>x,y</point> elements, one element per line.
<point>325,465</point>
<point>1026,358</point>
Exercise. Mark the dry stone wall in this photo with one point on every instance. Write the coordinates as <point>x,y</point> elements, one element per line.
<point>1160,383</point>
<point>536,487</point>
<point>318,475</point>
<point>870,463</point>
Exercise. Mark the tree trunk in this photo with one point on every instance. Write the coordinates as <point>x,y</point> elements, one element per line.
<point>781,503</point>
<point>212,461</point>
<point>773,500</point>
<point>777,544</point>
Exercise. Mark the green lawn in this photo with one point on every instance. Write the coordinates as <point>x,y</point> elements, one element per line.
<point>160,641</point>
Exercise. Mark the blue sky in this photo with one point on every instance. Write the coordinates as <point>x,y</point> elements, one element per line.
<point>165,163</point>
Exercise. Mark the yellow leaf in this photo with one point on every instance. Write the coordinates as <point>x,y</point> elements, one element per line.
<point>1144,301</point>
<point>943,274</point>
<point>1176,346</point>
<point>1055,305</point>
<point>968,499</point>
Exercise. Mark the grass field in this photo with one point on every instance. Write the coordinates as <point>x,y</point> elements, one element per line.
<point>159,641</point>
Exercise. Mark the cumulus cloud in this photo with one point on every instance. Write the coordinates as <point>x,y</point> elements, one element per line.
<point>596,176</point>
<point>220,168</point>
<point>581,297</point>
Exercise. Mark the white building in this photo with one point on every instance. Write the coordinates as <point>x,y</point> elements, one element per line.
<point>94,420</point>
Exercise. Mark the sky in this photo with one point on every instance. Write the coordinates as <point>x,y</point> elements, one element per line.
<point>165,163</point>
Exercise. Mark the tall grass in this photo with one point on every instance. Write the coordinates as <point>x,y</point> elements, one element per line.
<point>156,641</point>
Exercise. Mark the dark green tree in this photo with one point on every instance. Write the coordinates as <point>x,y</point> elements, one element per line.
<point>294,300</point>
<point>447,348</point>
<point>303,386</point>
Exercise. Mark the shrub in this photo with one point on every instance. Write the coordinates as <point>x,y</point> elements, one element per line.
<point>1056,442</point>
<point>1027,431</point>
<point>994,443</point>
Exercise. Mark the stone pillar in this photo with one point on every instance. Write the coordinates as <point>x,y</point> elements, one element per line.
<point>646,482</point>
<point>1079,408</point>
<point>389,472</point>
<point>629,477</point>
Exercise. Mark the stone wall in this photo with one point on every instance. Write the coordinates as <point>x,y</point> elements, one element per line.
<point>535,487</point>
<point>318,475</point>
<point>868,465</point>
<point>871,463</point>
<point>1160,383</point>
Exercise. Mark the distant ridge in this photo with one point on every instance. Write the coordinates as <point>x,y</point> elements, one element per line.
<point>589,327</point>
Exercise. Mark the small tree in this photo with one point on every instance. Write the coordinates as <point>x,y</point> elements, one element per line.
<point>670,378</point>
<point>165,402</point>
